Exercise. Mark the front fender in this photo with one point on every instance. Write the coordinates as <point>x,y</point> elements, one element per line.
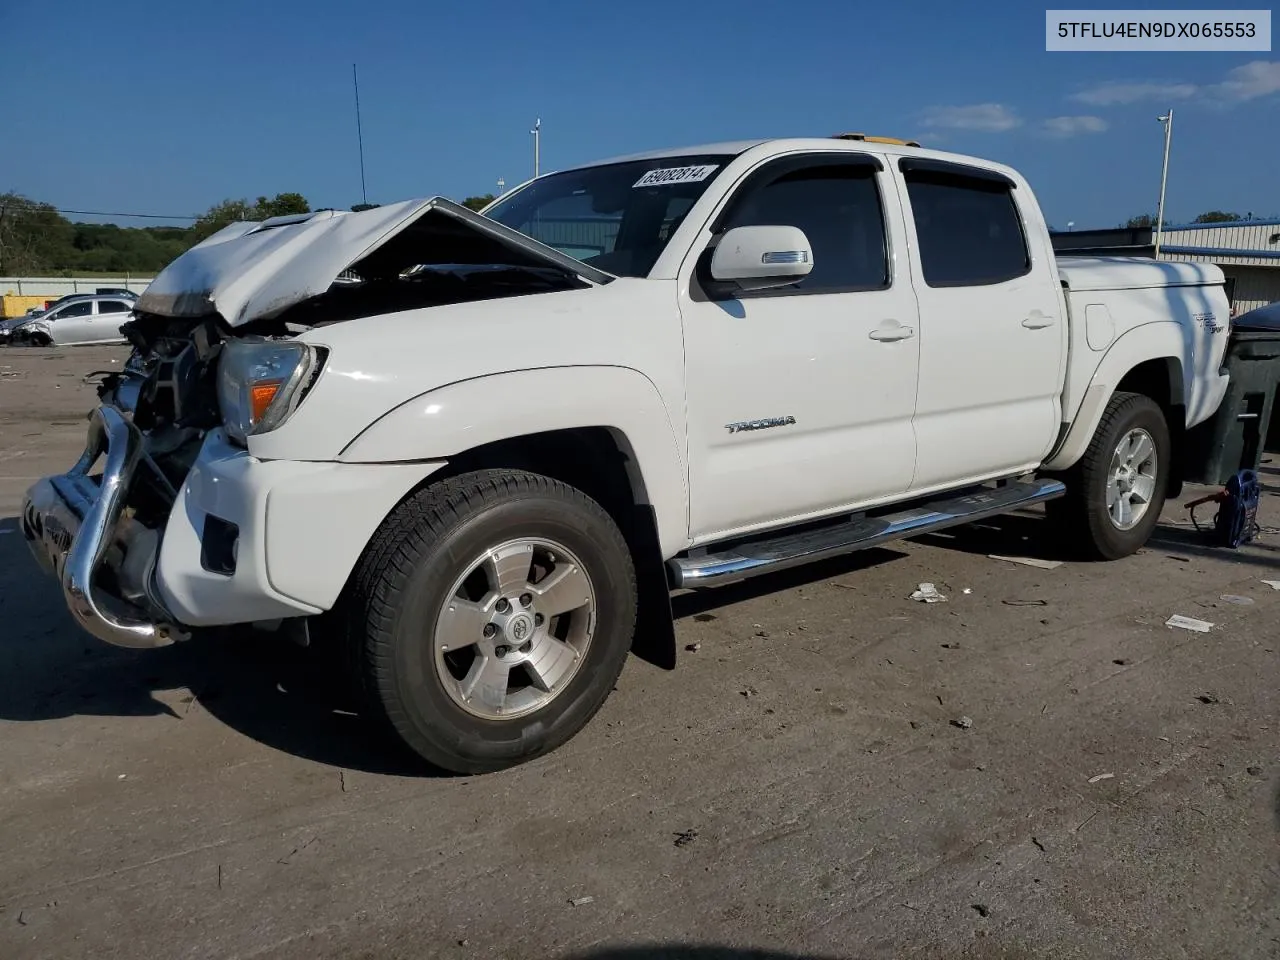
<point>449,420</point>
<point>1199,386</point>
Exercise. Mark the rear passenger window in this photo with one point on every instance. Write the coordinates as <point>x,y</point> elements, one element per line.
<point>837,205</point>
<point>113,306</point>
<point>969,230</point>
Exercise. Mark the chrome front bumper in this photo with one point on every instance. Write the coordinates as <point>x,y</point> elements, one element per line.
<point>69,522</point>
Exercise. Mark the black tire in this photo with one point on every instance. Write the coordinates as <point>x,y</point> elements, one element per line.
<point>400,587</point>
<point>1081,517</point>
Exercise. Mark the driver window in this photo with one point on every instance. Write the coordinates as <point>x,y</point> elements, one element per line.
<point>838,207</point>
<point>82,309</point>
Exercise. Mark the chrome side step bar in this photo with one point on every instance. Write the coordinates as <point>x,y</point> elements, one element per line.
<point>783,550</point>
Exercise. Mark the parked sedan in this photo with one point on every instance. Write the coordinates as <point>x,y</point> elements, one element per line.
<point>84,320</point>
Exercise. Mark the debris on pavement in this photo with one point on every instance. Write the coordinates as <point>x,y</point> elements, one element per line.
<point>1237,600</point>
<point>1028,561</point>
<point>1102,776</point>
<point>1189,623</point>
<point>1038,843</point>
<point>1273,584</point>
<point>1209,698</point>
<point>685,837</point>
<point>964,723</point>
<point>967,590</point>
<point>1253,771</point>
<point>928,593</point>
<point>582,901</point>
<point>748,691</point>
<point>983,910</point>
<point>693,647</point>
<point>1025,603</point>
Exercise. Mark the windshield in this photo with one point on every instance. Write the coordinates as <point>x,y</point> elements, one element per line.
<point>617,217</point>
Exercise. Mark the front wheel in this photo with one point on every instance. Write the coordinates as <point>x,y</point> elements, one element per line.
<point>1116,492</point>
<point>490,618</point>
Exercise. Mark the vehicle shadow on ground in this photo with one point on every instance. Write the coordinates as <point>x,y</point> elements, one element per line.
<point>1026,535</point>
<point>700,603</point>
<point>256,683</point>
<point>684,952</point>
<point>1023,534</point>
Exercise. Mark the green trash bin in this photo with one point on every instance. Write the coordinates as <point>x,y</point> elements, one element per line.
<point>1233,438</point>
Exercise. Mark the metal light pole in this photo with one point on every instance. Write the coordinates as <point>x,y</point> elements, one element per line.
<point>537,138</point>
<point>502,185</point>
<point>1167,120</point>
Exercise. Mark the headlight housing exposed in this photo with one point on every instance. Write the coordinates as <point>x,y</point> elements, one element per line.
<point>261,382</point>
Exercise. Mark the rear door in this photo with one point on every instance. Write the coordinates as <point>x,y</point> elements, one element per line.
<point>992,334</point>
<point>109,316</point>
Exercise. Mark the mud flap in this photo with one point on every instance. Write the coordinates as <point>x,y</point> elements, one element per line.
<point>655,636</point>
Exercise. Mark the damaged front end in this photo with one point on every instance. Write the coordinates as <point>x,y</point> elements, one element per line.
<point>141,550</point>
<point>99,532</point>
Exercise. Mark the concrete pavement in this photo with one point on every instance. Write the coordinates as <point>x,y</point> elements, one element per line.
<point>796,785</point>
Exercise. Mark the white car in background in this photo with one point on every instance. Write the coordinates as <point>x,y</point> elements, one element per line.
<point>83,320</point>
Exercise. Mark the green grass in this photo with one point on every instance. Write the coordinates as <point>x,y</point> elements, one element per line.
<point>95,274</point>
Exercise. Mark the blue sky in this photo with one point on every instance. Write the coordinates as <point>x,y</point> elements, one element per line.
<point>164,107</point>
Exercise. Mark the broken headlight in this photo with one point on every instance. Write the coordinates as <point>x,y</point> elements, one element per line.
<point>261,382</point>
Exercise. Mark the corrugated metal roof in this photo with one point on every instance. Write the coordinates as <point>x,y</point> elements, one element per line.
<point>1257,244</point>
<point>1227,223</point>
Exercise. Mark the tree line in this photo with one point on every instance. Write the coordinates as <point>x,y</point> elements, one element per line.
<point>1209,216</point>
<point>37,240</point>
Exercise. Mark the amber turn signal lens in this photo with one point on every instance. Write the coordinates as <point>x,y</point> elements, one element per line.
<point>260,397</point>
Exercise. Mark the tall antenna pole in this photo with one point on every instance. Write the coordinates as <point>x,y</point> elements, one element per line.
<point>355,82</point>
<point>1167,120</point>
<point>537,137</point>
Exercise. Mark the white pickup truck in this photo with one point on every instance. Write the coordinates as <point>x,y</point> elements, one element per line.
<point>480,450</point>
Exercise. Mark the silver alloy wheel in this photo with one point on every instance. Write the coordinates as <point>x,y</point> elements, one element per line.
<point>515,629</point>
<point>1131,481</point>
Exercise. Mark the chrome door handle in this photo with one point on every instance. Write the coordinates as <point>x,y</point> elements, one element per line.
<point>890,334</point>
<point>1037,321</point>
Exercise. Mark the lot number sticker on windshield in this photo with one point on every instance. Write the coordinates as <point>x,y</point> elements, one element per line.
<point>669,175</point>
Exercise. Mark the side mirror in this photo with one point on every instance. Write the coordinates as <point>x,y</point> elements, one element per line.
<point>757,258</point>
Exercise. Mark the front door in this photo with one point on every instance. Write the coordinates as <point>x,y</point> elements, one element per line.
<point>992,334</point>
<point>800,399</point>
<point>72,323</point>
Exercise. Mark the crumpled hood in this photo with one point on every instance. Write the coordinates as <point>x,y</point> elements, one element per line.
<point>255,270</point>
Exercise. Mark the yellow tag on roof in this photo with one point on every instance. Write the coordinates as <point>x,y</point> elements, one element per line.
<point>870,139</point>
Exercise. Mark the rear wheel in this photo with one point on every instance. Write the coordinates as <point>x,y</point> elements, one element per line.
<point>1116,492</point>
<point>490,618</point>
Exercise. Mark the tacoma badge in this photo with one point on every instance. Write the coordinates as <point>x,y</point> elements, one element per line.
<point>759,424</point>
